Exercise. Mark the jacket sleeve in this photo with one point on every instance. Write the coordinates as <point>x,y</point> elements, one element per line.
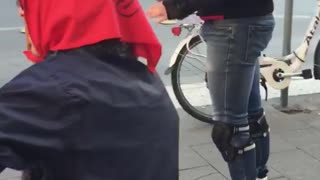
<point>180,9</point>
<point>34,114</point>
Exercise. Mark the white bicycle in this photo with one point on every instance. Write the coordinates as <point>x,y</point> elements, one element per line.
<point>188,68</point>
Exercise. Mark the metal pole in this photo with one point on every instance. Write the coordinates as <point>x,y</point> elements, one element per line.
<point>287,33</point>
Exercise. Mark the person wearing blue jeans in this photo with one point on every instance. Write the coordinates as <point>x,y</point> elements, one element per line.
<point>235,33</point>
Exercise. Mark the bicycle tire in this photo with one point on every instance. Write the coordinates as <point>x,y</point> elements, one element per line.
<point>177,88</point>
<point>316,66</point>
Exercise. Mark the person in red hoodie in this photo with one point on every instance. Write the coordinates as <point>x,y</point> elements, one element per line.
<point>88,109</point>
<point>235,32</point>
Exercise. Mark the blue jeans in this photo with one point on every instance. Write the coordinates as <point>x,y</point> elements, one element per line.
<point>233,49</point>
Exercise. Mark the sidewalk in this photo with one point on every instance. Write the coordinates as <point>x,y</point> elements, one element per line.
<point>295,145</point>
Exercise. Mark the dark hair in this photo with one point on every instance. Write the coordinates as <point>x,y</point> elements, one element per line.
<point>18,3</point>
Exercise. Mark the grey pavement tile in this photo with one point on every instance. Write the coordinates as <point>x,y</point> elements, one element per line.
<point>316,122</point>
<point>213,177</point>
<point>212,155</point>
<point>308,103</point>
<point>192,138</point>
<point>281,178</point>
<point>192,131</point>
<point>302,137</point>
<point>200,173</point>
<point>277,144</point>
<point>312,150</point>
<point>281,122</point>
<point>296,165</point>
<point>187,122</point>
<point>190,159</point>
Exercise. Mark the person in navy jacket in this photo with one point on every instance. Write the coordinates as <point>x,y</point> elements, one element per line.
<point>88,109</point>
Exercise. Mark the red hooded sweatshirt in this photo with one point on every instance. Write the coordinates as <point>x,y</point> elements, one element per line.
<point>53,29</point>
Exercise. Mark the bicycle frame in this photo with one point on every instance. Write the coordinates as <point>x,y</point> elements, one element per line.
<point>192,32</point>
<point>298,56</point>
<point>278,72</point>
<point>289,64</point>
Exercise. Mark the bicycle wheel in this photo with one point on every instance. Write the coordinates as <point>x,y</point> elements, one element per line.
<point>189,81</point>
<point>316,68</point>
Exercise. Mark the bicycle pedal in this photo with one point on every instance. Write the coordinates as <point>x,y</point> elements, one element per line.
<point>306,74</point>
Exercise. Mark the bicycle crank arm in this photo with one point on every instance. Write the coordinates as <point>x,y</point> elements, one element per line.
<point>306,74</point>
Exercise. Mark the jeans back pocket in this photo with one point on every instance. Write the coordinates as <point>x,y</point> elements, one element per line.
<point>259,37</point>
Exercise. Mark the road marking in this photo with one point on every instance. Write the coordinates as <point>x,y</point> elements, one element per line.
<point>3,29</point>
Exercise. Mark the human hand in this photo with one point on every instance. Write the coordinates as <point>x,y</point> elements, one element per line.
<point>20,12</point>
<point>158,12</point>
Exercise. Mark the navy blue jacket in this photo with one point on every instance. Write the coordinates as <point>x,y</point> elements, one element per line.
<point>85,118</point>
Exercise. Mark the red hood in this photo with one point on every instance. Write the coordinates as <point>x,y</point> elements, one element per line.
<point>66,24</point>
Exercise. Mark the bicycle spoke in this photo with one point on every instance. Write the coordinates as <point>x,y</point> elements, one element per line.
<point>196,64</point>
